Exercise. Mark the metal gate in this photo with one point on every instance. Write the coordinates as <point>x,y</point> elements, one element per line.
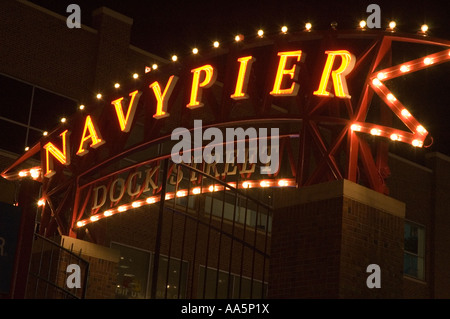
<point>218,242</point>
<point>47,276</point>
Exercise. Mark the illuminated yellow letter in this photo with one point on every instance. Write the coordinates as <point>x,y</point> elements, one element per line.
<point>293,72</point>
<point>125,122</point>
<point>337,76</point>
<point>162,99</point>
<point>208,81</point>
<point>62,157</point>
<point>94,136</point>
<point>242,80</point>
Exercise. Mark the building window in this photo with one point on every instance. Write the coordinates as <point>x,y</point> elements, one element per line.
<point>27,111</point>
<point>414,257</point>
<point>134,275</point>
<point>228,286</point>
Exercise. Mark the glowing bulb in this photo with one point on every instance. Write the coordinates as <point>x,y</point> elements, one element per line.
<point>284,29</point>
<point>63,120</point>
<point>99,96</point>
<point>135,76</point>
<point>282,182</point>
<point>362,24</point>
<point>420,129</point>
<point>41,202</point>
<point>405,113</point>
<point>246,185</point>
<point>151,200</point>
<point>107,213</point>
<point>196,191</point>
<point>195,50</point>
<point>260,33</point>
<point>375,131</point>
<point>238,38</point>
<point>427,61</point>
<point>308,26</point>
<point>168,196</point>
<point>27,149</point>
<point>22,174</point>
<point>376,82</point>
<point>392,25</point>
<point>80,224</point>
<point>45,133</point>
<point>213,188</point>
<point>417,143</point>
<point>136,204</point>
<point>424,28</point>
<point>94,218</point>
<point>154,66</point>
<point>81,107</point>
<point>391,97</point>
<point>117,85</point>
<point>355,127</point>
<point>216,44</point>
<point>174,58</point>
<point>264,184</point>
<point>404,68</point>
<point>34,173</point>
<point>122,208</point>
<point>181,193</point>
<point>381,76</point>
<point>394,137</point>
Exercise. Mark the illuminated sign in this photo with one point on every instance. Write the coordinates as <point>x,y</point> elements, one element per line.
<point>203,77</point>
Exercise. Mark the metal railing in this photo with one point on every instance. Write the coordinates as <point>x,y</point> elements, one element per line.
<point>221,236</point>
<point>48,274</point>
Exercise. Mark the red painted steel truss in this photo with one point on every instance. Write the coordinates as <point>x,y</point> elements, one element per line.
<point>334,138</point>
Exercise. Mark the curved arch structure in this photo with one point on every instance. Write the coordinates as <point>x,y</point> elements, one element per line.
<point>329,94</point>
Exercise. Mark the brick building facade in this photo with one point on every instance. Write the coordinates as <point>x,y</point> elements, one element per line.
<point>320,239</point>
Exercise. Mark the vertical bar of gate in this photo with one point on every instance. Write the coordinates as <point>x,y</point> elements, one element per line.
<point>230,285</point>
<point>184,234</point>
<point>39,270</point>
<point>207,242</point>
<point>195,242</point>
<point>254,250</point>
<point>171,232</point>
<point>86,276</point>
<point>220,241</point>
<point>265,252</point>
<point>159,230</point>
<point>49,271</point>
<point>243,246</point>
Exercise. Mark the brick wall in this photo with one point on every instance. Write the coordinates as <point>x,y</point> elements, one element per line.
<point>39,48</point>
<point>322,245</point>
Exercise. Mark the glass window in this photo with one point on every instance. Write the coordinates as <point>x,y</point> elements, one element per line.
<point>172,277</point>
<point>16,99</point>
<point>414,257</point>
<point>132,272</point>
<point>134,275</point>
<point>223,282</point>
<point>27,111</point>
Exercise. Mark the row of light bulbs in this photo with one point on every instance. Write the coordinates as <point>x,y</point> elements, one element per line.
<point>238,38</point>
<point>183,193</point>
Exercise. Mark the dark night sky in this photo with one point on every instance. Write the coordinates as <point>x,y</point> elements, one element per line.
<point>166,27</point>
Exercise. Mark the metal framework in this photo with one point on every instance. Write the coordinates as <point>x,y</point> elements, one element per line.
<point>323,139</point>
